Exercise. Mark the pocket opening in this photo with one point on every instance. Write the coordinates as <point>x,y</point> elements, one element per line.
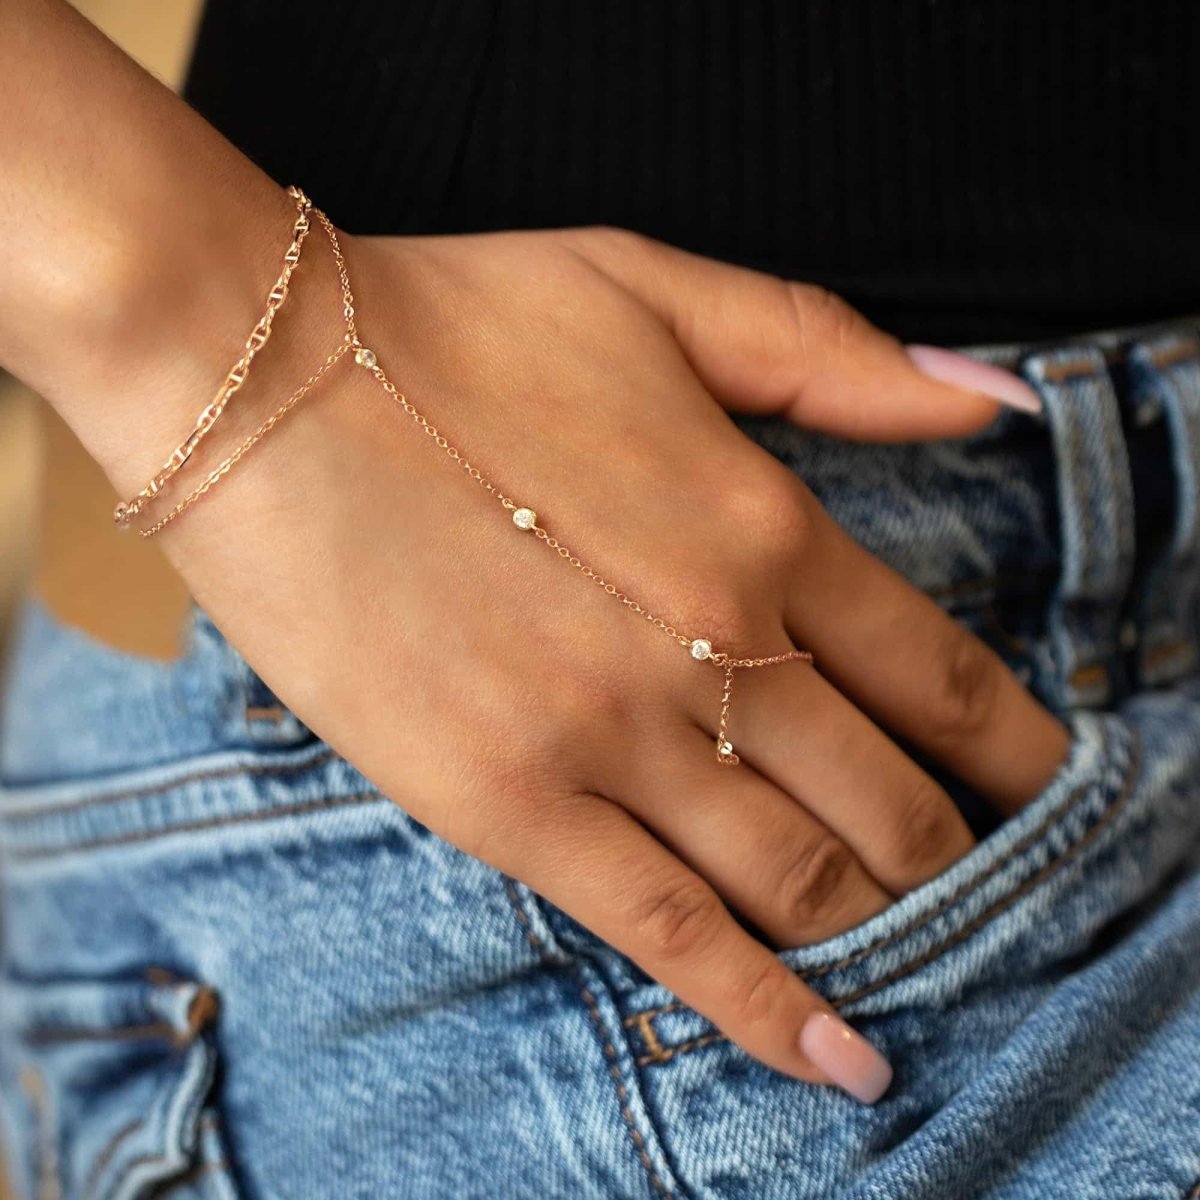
<point>118,1076</point>
<point>1065,821</point>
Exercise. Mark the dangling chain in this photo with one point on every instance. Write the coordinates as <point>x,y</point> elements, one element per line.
<point>523,518</point>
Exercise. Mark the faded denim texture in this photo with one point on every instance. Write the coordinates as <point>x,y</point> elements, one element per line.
<point>230,969</point>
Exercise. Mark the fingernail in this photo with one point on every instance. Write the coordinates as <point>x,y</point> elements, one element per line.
<point>965,372</point>
<point>845,1056</point>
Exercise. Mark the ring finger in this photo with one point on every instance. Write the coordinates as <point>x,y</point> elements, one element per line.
<point>768,858</point>
<point>797,730</point>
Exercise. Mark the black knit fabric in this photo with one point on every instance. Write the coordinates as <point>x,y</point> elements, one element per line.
<point>961,170</point>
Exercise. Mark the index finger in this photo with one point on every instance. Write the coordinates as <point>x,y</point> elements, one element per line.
<point>609,873</point>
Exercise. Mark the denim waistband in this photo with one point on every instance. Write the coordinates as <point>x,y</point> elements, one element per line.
<point>1068,539</point>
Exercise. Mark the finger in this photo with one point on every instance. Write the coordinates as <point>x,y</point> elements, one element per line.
<point>917,671</point>
<point>608,872</point>
<point>768,345</point>
<point>770,859</point>
<point>797,729</point>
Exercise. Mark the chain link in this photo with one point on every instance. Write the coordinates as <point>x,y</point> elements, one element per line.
<point>124,512</point>
<point>261,432</point>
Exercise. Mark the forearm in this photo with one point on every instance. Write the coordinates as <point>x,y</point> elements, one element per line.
<point>138,243</point>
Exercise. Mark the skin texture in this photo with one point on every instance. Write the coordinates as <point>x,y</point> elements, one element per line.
<point>498,697</point>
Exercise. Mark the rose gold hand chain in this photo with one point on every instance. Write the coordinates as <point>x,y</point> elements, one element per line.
<point>523,518</point>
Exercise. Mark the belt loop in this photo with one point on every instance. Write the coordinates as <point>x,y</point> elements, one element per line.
<point>1096,531</point>
<point>1165,377</point>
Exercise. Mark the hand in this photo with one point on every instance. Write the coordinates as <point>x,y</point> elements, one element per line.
<point>513,707</point>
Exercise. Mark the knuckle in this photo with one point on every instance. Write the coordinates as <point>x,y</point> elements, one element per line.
<point>725,618</point>
<point>928,828</point>
<point>679,921</point>
<point>774,513</point>
<point>611,240</point>
<point>761,996</point>
<point>965,688</point>
<point>483,818</point>
<point>499,788</point>
<point>812,882</point>
<point>617,233</point>
<point>587,700</point>
<point>779,511</point>
<point>790,518</point>
<point>823,318</point>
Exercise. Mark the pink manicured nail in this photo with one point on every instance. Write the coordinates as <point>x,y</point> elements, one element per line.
<point>845,1056</point>
<point>965,372</point>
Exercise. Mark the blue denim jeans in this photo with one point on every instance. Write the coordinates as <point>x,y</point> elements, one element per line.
<point>231,969</point>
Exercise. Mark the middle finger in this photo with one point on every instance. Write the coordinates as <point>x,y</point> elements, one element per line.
<point>769,858</point>
<point>794,727</point>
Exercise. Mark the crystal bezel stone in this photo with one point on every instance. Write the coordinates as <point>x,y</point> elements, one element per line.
<point>365,358</point>
<point>524,518</point>
<point>701,649</point>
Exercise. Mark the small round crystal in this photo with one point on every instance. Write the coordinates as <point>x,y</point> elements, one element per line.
<point>524,518</point>
<point>701,648</point>
<point>364,357</point>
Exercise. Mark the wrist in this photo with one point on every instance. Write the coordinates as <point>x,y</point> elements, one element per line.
<point>178,305</point>
<point>177,321</point>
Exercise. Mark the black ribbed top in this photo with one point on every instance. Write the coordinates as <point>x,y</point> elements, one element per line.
<point>962,170</point>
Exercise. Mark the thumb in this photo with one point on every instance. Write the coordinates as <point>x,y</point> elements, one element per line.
<point>762,344</point>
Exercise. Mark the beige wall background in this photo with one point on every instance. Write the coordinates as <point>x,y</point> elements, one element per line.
<point>158,33</point>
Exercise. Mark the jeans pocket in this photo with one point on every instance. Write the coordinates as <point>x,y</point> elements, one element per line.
<point>1019,902</point>
<point>107,1087</point>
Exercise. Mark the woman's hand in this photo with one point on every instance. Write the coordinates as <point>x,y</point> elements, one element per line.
<point>513,707</point>
<point>487,687</point>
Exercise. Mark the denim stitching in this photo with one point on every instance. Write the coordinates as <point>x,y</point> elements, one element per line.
<point>146,1160</point>
<point>190,1177</point>
<point>1168,652</point>
<point>958,936</point>
<point>106,1155</point>
<point>614,1070</point>
<point>156,1031</point>
<point>663,1054</point>
<point>610,1053</point>
<point>202,1012</point>
<point>1177,350</point>
<point>1078,368</point>
<point>33,1084</point>
<point>266,712</point>
<point>154,789</point>
<point>514,900</point>
<point>1088,674</point>
<point>645,1024</point>
<point>148,835</point>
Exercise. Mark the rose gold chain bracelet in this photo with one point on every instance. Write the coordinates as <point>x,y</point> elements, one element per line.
<point>125,512</point>
<point>524,518</point>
